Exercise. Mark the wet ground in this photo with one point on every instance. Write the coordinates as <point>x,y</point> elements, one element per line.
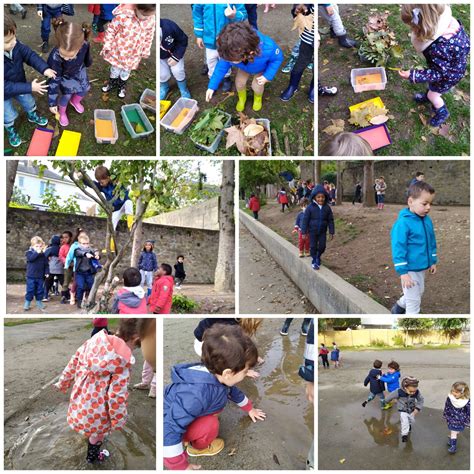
<point>283,440</point>
<point>353,437</point>
<point>264,286</point>
<point>36,433</point>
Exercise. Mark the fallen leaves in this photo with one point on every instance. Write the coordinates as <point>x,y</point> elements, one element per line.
<point>336,127</point>
<point>342,461</point>
<point>105,97</point>
<point>303,21</point>
<point>232,452</point>
<point>325,62</point>
<point>387,431</point>
<point>369,114</point>
<point>256,145</point>
<point>423,119</point>
<point>459,95</point>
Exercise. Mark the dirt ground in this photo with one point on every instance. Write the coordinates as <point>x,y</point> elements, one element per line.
<point>208,300</point>
<point>36,433</point>
<point>283,440</point>
<point>362,255</point>
<point>353,437</point>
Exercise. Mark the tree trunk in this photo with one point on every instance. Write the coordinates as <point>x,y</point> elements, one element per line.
<point>317,171</point>
<point>12,166</point>
<point>339,182</point>
<point>138,237</point>
<point>224,278</point>
<point>368,185</point>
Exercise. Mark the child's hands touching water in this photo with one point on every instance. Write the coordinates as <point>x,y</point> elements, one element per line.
<point>257,414</point>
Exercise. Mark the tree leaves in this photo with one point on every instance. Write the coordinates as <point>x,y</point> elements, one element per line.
<point>364,116</point>
<point>250,146</point>
<point>303,21</point>
<point>336,127</point>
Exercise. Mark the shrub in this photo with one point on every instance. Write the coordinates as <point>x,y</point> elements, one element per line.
<point>183,304</point>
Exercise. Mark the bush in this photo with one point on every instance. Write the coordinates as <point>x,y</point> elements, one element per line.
<point>182,304</point>
<point>377,343</point>
<point>398,340</point>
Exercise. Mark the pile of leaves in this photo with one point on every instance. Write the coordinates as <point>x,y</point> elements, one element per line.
<point>250,138</point>
<point>369,114</point>
<point>303,21</point>
<point>208,126</point>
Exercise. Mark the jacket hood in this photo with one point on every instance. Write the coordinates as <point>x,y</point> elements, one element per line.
<point>55,240</point>
<point>182,373</point>
<point>319,189</point>
<point>169,278</point>
<point>128,9</point>
<point>131,297</point>
<point>408,214</point>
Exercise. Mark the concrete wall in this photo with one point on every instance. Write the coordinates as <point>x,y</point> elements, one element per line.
<point>204,215</point>
<point>329,293</point>
<point>197,245</point>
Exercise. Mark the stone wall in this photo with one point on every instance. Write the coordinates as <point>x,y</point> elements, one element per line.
<point>199,246</point>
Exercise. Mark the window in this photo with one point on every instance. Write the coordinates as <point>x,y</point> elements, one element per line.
<point>44,185</point>
<point>21,181</point>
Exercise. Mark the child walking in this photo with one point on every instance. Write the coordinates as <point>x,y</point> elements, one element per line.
<point>303,239</point>
<point>47,13</point>
<point>444,43</point>
<point>457,412</point>
<point>131,299</point>
<point>66,240</point>
<point>55,266</point>
<point>282,199</point>
<point>148,264</point>
<point>103,14</point>
<point>254,205</point>
<point>148,380</point>
<point>179,273</point>
<point>335,354</point>
<point>128,40</point>
<point>323,353</point>
<point>36,269</point>
<point>161,298</point>
<point>376,386</point>
<point>100,372</point>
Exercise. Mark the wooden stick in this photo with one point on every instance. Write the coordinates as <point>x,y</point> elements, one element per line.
<point>300,146</point>
<point>287,146</point>
<point>276,143</point>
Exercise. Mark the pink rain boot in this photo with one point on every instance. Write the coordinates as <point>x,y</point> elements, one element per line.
<point>63,120</point>
<point>76,103</point>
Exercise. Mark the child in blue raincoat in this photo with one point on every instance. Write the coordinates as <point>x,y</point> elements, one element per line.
<point>391,378</point>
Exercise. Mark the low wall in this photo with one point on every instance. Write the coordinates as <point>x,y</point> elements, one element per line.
<point>329,293</point>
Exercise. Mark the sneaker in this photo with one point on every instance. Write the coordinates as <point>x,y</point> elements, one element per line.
<point>289,65</point>
<point>13,137</point>
<point>364,404</point>
<point>33,117</point>
<point>214,448</point>
<point>45,300</point>
<point>315,266</point>
<point>404,438</point>
<point>141,386</point>
<point>301,254</point>
<point>325,90</point>
<point>152,392</point>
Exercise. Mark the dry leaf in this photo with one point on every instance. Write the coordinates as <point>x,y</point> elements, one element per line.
<point>336,127</point>
<point>378,119</point>
<point>423,138</point>
<point>342,461</point>
<point>423,120</point>
<point>232,452</point>
<point>325,70</point>
<point>362,116</point>
<point>325,62</point>
<point>412,111</point>
<point>105,96</point>
<point>460,95</point>
<point>303,21</point>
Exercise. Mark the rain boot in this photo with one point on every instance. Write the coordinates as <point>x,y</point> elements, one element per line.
<point>122,89</point>
<point>257,101</point>
<point>112,83</point>
<point>452,446</point>
<point>100,38</point>
<point>288,67</point>
<point>440,116</point>
<point>33,117</point>
<point>346,42</point>
<point>45,46</point>
<point>76,103</point>
<point>311,92</point>
<point>397,309</point>
<point>13,137</point>
<point>27,305</point>
<point>421,98</point>
<point>242,100</point>
<point>183,89</point>
<point>63,120</point>
<point>93,452</point>
<point>40,305</point>
<point>164,89</point>
<point>289,92</point>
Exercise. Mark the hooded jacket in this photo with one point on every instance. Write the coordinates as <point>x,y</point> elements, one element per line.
<point>254,204</point>
<point>109,192</point>
<point>36,264</point>
<point>209,322</point>
<point>52,256</point>
<point>99,372</point>
<point>315,219</point>
<point>162,295</point>
<point>193,392</point>
<point>173,40</point>
<point>457,416</point>
<point>406,403</point>
<point>83,264</point>
<point>413,243</point>
<point>130,301</point>
<point>392,380</point>
<point>148,261</point>
<point>70,257</point>
<point>376,386</point>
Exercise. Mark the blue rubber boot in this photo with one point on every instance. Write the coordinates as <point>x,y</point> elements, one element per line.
<point>183,89</point>
<point>397,309</point>
<point>421,98</point>
<point>33,117</point>
<point>13,137</point>
<point>311,92</point>
<point>452,446</point>
<point>440,116</point>
<point>27,305</point>
<point>289,92</point>
<point>164,89</point>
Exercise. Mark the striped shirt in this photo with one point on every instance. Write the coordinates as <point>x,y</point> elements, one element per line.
<point>308,35</point>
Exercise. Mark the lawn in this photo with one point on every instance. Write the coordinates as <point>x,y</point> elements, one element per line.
<point>410,136</point>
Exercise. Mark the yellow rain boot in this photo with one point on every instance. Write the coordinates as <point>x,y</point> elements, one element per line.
<point>242,99</point>
<point>257,102</point>
<point>129,222</point>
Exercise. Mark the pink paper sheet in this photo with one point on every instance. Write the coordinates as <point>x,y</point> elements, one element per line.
<point>377,137</point>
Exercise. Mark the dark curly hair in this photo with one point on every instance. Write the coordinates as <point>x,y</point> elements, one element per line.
<point>238,42</point>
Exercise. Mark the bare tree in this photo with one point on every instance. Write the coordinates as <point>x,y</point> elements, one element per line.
<point>317,171</point>
<point>12,167</point>
<point>339,190</point>
<point>368,185</point>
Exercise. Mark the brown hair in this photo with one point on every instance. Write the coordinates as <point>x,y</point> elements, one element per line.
<point>227,347</point>
<point>462,388</point>
<point>409,382</point>
<point>346,144</point>
<point>101,172</point>
<point>304,202</point>
<point>70,36</point>
<point>9,26</point>
<point>377,363</point>
<point>428,18</point>
<point>415,190</point>
<point>146,7</point>
<point>238,42</point>
<point>393,365</point>
<point>128,329</point>
<point>250,325</point>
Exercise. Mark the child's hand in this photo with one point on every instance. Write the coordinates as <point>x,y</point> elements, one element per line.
<point>253,374</point>
<point>53,110</point>
<point>261,80</point>
<point>51,73</point>
<point>39,87</point>
<point>407,281</point>
<point>330,10</point>
<point>404,74</point>
<point>40,14</point>
<point>294,231</point>
<point>172,62</point>
<point>257,414</point>
<point>200,43</point>
<point>89,255</point>
<point>193,467</point>
<point>301,8</point>
<point>433,269</point>
<point>209,94</point>
<point>230,12</point>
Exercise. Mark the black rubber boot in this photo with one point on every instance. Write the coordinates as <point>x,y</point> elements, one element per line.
<point>112,84</point>
<point>45,46</point>
<point>93,452</point>
<point>122,89</point>
<point>346,42</point>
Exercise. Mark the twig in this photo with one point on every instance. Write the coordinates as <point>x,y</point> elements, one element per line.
<point>300,146</point>
<point>287,146</point>
<point>276,142</point>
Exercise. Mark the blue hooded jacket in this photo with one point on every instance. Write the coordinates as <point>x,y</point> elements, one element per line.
<point>148,261</point>
<point>109,192</point>
<point>392,380</point>
<point>36,264</point>
<point>315,219</point>
<point>376,386</point>
<point>413,243</point>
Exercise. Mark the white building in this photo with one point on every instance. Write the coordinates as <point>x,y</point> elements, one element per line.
<point>384,322</point>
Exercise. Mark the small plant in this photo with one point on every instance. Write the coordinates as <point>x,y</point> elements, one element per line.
<point>377,343</point>
<point>398,340</point>
<point>183,304</point>
<point>208,126</point>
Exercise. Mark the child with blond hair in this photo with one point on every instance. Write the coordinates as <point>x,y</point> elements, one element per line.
<point>457,412</point>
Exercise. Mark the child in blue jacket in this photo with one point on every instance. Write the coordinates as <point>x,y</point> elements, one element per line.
<point>36,270</point>
<point>148,264</point>
<point>250,52</point>
<point>105,16</point>
<point>376,386</point>
<point>200,391</point>
<point>391,378</point>
<point>414,247</point>
<point>16,54</point>
<point>318,218</point>
<point>303,239</point>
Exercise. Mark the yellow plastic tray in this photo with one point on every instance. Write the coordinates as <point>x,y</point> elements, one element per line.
<point>164,106</point>
<point>377,101</point>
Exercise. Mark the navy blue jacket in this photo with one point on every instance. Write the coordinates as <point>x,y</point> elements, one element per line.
<point>307,370</point>
<point>376,386</point>
<point>36,264</point>
<point>252,14</point>
<point>315,219</point>
<point>299,220</point>
<point>173,40</point>
<point>14,73</point>
<point>208,322</point>
<point>53,248</point>
<point>148,261</point>
<point>106,10</point>
<point>109,191</point>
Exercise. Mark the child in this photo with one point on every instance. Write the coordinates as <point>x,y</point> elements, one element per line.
<point>250,52</point>
<point>323,353</point>
<point>376,386</point>
<point>419,176</point>
<point>179,273</point>
<point>335,354</point>
<point>445,44</point>
<point>173,44</point>
<point>332,194</point>
<point>380,188</point>
<point>391,378</point>
<point>103,15</point>
<point>131,298</point>
<point>128,40</point>
<point>414,247</point>
<point>100,372</point>
<point>15,55</point>
<point>147,264</point>
<point>304,326</point>
<point>148,380</point>
<point>199,391</point>
<point>303,239</point>
<point>209,21</point>
<point>282,199</point>
<point>410,403</point>
<point>47,12</point>
<point>254,205</point>
<point>161,298</point>
<point>36,269</point>
<point>318,218</point>
<point>70,60</point>
<point>357,193</point>
<point>66,239</point>
<point>70,263</point>
<point>55,266</point>
<point>99,325</point>
<point>457,412</point>
<point>330,12</point>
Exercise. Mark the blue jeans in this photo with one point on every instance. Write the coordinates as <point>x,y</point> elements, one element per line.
<point>84,282</point>
<point>9,112</point>
<point>48,14</point>
<point>34,289</point>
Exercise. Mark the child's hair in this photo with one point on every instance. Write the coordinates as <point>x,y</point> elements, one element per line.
<point>79,231</point>
<point>9,26</point>
<point>69,233</point>
<point>180,256</point>
<point>83,234</point>
<point>346,144</point>
<point>128,329</point>
<point>304,202</point>
<point>145,7</point>
<point>101,172</point>
<point>419,173</point>
<point>381,177</point>
<point>462,388</point>
<point>422,18</point>
<point>238,42</point>
<point>377,364</point>
<point>149,242</point>
<point>410,382</point>
<point>131,277</point>
<point>250,325</point>
<point>227,347</point>
<point>70,36</point>
<point>393,365</point>
<point>415,190</point>
<point>166,268</point>
<point>322,344</point>
<point>36,240</point>
<point>252,195</point>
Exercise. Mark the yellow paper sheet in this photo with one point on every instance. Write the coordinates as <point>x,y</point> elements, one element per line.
<point>104,128</point>
<point>68,143</point>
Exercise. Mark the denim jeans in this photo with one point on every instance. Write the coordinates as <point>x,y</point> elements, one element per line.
<point>34,289</point>
<point>9,112</point>
<point>48,14</point>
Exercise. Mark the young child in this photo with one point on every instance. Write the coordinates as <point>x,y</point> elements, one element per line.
<point>357,193</point>
<point>199,391</point>
<point>332,194</point>
<point>330,12</point>
<point>419,176</point>
<point>414,247</point>
<point>66,240</point>
<point>445,44</point>
<point>173,44</point>
<point>131,299</point>
<point>179,273</point>
<point>104,14</point>
<point>318,218</point>
<point>128,40</point>
<point>148,264</point>
<point>99,325</point>
<point>48,12</point>
<point>70,263</point>
<point>303,239</point>
<point>70,60</point>
<point>254,205</point>
<point>391,378</point>
<point>148,380</point>
<point>335,354</point>
<point>376,386</point>
<point>15,55</point>
<point>250,52</point>
<point>457,412</point>
<point>36,269</point>
<point>100,372</point>
<point>323,353</point>
<point>380,189</point>
<point>304,326</point>
<point>55,266</point>
<point>410,403</point>
<point>161,298</point>
<point>282,199</point>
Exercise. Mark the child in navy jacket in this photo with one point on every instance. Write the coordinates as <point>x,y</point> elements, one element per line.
<point>48,12</point>
<point>148,264</point>
<point>445,45</point>
<point>457,412</point>
<point>36,270</point>
<point>200,391</point>
<point>303,239</point>
<point>318,218</point>
<point>376,386</point>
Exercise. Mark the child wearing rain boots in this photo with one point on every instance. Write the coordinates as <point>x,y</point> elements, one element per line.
<point>330,12</point>
<point>457,413</point>
<point>103,14</point>
<point>173,44</point>
<point>148,265</point>
<point>47,13</point>
<point>70,60</point>
<point>250,52</point>
<point>303,239</point>
<point>128,40</point>
<point>36,270</point>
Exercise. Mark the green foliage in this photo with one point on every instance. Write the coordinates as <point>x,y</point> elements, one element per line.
<point>330,177</point>
<point>54,203</point>
<point>415,324</point>
<point>208,126</point>
<point>451,327</point>
<point>183,304</point>
<point>377,343</point>
<point>255,173</point>
<point>398,340</point>
<point>329,324</point>
<point>19,199</point>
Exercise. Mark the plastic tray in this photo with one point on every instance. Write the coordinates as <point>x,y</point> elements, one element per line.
<point>376,86</point>
<point>148,126</point>
<point>266,124</point>
<point>148,92</point>
<point>377,101</point>
<point>106,114</point>
<point>166,105</point>
<point>215,144</point>
<point>180,104</point>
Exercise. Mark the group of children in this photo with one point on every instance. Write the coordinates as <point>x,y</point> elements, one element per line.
<point>126,41</point>
<point>335,355</point>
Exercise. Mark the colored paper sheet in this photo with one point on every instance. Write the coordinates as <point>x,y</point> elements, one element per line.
<point>104,128</point>
<point>40,142</point>
<point>377,137</point>
<point>369,79</point>
<point>68,143</point>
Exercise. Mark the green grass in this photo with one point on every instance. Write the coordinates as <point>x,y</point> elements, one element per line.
<point>400,348</point>
<point>346,231</point>
<point>111,322</point>
<point>27,321</point>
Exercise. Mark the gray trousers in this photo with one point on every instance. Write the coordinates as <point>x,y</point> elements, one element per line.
<point>406,420</point>
<point>334,20</point>
<point>411,299</point>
